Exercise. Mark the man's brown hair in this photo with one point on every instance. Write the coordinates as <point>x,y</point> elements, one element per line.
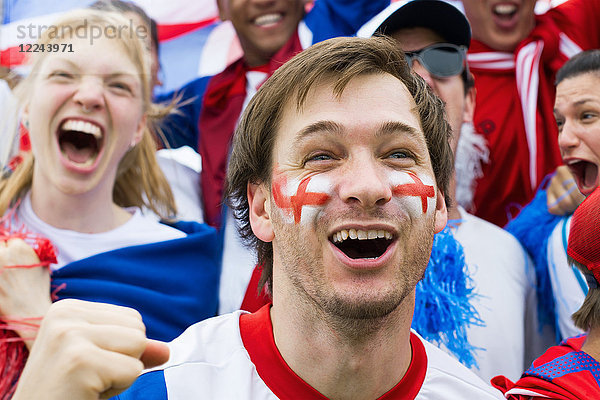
<point>336,61</point>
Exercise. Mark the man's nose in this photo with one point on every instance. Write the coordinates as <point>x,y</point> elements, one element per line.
<point>365,182</point>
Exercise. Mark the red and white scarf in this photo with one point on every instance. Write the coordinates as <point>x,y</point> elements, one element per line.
<point>222,105</point>
<point>541,54</point>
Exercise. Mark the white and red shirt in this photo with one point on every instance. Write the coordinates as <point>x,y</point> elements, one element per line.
<point>234,356</point>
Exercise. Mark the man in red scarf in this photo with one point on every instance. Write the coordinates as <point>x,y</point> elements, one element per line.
<point>514,56</point>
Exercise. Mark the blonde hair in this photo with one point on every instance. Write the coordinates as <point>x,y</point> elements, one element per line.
<point>139,181</point>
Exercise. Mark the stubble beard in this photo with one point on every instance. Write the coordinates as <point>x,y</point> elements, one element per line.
<point>354,316</point>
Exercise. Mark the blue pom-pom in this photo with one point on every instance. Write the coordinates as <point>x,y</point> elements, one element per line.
<point>443,310</point>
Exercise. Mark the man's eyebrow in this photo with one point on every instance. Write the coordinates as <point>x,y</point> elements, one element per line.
<point>318,128</point>
<point>385,129</point>
<point>395,127</point>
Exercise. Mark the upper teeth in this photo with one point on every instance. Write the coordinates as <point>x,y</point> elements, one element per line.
<point>82,126</point>
<point>505,9</point>
<point>267,19</point>
<point>360,234</point>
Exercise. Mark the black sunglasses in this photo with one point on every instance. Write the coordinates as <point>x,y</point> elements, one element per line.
<point>441,60</point>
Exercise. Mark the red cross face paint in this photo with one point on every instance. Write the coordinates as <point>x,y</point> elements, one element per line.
<point>300,199</point>
<point>418,191</point>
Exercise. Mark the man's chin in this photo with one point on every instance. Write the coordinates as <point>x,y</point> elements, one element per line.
<point>362,308</point>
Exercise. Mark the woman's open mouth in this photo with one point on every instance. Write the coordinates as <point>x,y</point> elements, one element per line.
<point>80,142</point>
<point>586,175</point>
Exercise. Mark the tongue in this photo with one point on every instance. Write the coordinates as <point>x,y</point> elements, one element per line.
<point>76,155</point>
<point>591,175</point>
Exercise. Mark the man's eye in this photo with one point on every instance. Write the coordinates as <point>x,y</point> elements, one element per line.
<point>319,157</point>
<point>587,115</point>
<point>399,154</point>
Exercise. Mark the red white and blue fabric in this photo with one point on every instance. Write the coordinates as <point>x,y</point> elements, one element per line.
<point>514,106</point>
<point>563,372</point>
<point>234,356</point>
<point>142,277</point>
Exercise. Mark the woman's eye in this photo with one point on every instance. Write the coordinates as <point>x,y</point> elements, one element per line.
<point>61,75</point>
<point>121,86</point>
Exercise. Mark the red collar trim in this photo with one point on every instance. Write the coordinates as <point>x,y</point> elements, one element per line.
<point>257,335</point>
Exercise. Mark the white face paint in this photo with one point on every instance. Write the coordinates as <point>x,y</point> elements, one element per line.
<point>416,191</point>
<point>301,199</point>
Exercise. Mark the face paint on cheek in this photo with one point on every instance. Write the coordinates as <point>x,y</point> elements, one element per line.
<point>292,196</point>
<point>418,191</point>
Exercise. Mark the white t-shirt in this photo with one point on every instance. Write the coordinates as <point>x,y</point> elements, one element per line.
<point>223,358</point>
<point>504,280</point>
<point>182,167</point>
<point>72,246</point>
<point>568,284</point>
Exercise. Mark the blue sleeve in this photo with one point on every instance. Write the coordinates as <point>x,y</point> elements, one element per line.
<point>533,227</point>
<point>150,386</point>
<point>332,18</point>
<point>181,128</point>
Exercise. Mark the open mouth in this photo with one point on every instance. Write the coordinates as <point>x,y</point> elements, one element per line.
<point>586,175</point>
<point>504,10</point>
<point>80,141</point>
<point>268,19</point>
<point>362,244</point>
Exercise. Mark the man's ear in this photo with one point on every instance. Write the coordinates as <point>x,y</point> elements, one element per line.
<point>469,107</point>
<point>259,202</point>
<point>441,212</point>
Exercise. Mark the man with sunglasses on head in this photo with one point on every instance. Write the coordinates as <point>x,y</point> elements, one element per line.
<point>435,37</point>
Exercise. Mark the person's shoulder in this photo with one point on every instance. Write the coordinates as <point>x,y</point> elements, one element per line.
<point>195,87</point>
<point>207,361</point>
<point>487,232</point>
<point>208,342</point>
<point>149,228</point>
<point>446,378</point>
